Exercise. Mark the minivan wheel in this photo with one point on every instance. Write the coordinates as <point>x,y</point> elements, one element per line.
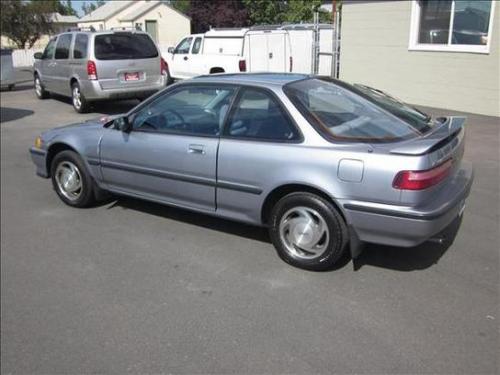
<point>80,104</point>
<point>71,181</point>
<point>39,90</point>
<point>307,231</point>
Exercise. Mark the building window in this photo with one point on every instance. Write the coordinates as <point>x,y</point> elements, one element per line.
<point>452,25</point>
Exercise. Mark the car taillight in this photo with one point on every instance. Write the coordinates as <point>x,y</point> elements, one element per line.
<point>242,64</point>
<point>291,63</point>
<point>419,180</point>
<point>163,67</point>
<point>91,70</point>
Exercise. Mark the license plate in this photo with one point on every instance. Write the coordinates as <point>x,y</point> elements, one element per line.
<point>132,76</point>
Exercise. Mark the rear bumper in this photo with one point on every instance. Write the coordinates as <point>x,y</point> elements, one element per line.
<point>39,159</point>
<point>410,226</point>
<point>92,90</point>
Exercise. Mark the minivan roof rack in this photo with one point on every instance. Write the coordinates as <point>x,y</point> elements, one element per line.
<point>91,28</point>
<point>124,28</point>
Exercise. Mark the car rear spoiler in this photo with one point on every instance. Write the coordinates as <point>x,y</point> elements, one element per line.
<point>443,133</point>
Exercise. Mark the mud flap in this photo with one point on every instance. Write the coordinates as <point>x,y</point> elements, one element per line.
<point>356,246</point>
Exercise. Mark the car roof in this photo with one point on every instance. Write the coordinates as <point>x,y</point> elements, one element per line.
<point>261,79</point>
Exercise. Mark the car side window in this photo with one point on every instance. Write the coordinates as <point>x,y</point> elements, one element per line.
<point>183,46</point>
<point>258,115</point>
<point>80,48</point>
<point>48,53</point>
<point>195,110</point>
<point>63,44</point>
<point>196,46</point>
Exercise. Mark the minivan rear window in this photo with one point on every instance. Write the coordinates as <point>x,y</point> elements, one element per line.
<point>124,46</point>
<point>344,112</point>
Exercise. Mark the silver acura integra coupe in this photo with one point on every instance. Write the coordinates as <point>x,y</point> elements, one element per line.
<point>320,162</point>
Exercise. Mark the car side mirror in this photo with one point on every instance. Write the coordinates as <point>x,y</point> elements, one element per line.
<point>38,56</point>
<point>123,124</point>
<point>171,50</point>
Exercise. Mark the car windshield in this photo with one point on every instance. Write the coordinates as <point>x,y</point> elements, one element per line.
<point>124,46</point>
<point>346,112</point>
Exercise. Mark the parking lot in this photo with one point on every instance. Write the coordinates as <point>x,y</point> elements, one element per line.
<point>135,287</point>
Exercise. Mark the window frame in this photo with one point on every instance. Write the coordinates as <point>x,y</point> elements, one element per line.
<point>234,106</point>
<point>176,50</point>
<point>414,45</point>
<point>44,57</point>
<point>194,43</point>
<point>73,45</point>
<point>71,35</point>
<point>176,89</point>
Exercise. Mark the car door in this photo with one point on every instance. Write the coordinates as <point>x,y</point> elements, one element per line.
<point>258,136</point>
<point>61,72</point>
<point>196,60</point>
<point>180,59</point>
<point>170,155</point>
<point>47,64</point>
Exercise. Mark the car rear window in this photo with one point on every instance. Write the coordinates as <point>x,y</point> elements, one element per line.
<point>343,112</point>
<point>124,46</point>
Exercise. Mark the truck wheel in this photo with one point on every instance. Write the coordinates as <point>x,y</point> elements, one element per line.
<point>39,89</point>
<point>308,231</point>
<point>80,104</point>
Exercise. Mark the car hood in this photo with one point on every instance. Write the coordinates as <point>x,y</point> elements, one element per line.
<point>91,125</point>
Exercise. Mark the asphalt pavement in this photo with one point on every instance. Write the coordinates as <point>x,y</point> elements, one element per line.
<point>134,287</point>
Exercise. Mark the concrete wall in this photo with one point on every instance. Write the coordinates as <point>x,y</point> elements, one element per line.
<point>172,25</point>
<point>374,51</point>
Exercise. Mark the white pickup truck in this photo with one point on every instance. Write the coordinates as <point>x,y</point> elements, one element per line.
<point>230,51</point>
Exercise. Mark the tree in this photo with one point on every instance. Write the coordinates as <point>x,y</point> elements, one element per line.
<point>182,6</point>
<point>25,22</point>
<point>303,11</point>
<point>88,8</point>
<point>265,12</point>
<point>217,13</point>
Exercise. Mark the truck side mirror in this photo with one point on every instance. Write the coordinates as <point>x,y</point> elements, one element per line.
<point>171,50</point>
<point>38,56</point>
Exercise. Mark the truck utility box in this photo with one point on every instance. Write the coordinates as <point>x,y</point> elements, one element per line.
<point>300,48</point>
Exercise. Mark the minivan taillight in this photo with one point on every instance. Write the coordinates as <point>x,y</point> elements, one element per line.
<point>420,180</point>
<point>242,64</point>
<point>91,70</point>
<point>163,67</point>
<point>291,63</point>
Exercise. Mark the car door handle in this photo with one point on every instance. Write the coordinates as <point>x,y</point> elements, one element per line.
<point>196,149</point>
<point>185,57</point>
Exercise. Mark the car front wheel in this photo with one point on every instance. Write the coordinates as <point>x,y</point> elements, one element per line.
<point>71,180</point>
<point>40,92</point>
<point>308,231</point>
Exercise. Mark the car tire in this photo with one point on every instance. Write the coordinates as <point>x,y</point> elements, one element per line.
<point>80,104</point>
<point>71,180</point>
<point>40,91</point>
<point>307,231</point>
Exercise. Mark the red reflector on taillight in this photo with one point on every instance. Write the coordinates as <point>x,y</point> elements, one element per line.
<point>419,180</point>
<point>91,70</point>
<point>291,63</point>
<point>242,64</point>
<point>163,67</point>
